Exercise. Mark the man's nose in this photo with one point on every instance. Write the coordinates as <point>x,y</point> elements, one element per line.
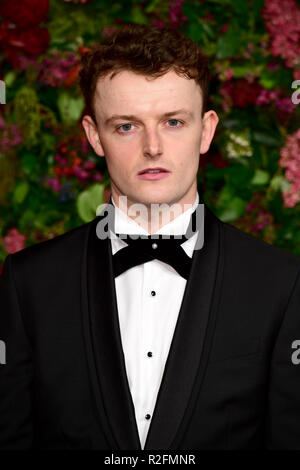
<point>152,144</point>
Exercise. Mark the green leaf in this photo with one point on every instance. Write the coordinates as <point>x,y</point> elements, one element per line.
<point>195,32</point>
<point>27,219</point>
<point>266,139</point>
<point>240,71</point>
<point>271,79</point>
<point>268,79</point>
<point>20,192</point>
<point>137,16</point>
<point>10,77</point>
<point>88,201</point>
<point>152,6</point>
<point>233,210</point>
<point>228,44</point>
<point>257,5</point>
<point>260,177</point>
<point>279,183</point>
<point>29,162</point>
<point>192,11</point>
<point>241,8</point>
<point>238,175</point>
<point>49,141</point>
<point>209,31</point>
<point>70,108</point>
<point>225,195</point>
<point>230,123</point>
<point>213,173</point>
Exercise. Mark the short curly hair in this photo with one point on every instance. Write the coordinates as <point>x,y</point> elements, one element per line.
<point>146,50</point>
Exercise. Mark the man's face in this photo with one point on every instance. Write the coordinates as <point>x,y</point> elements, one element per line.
<point>147,138</point>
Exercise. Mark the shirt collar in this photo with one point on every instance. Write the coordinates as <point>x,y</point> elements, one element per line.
<point>178,226</point>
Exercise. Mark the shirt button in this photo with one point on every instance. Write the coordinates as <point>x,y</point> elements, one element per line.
<point>149,354</point>
<point>153,292</point>
<point>154,246</point>
<point>148,416</point>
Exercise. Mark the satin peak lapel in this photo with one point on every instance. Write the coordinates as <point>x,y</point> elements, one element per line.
<point>186,361</point>
<point>104,346</point>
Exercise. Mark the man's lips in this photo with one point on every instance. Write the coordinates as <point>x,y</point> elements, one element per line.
<point>149,175</point>
<point>153,170</point>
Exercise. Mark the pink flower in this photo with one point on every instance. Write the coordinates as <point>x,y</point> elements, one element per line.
<point>97,176</point>
<point>267,96</point>
<point>208,17</point>
<point>10,136</point>
<point>81,174</point>
<point>251,206</point>
<point>53,183</point>
<point>273,65</point>
<point>290,159</point>
<point>290,199</point>
<point>14,241</point>
<point>23,62</point>
<point>159,23</point>
<point>228,74</point>
<point>2,123</point>
<point>283,24</point>
<point>240,93</point>
<point>296,74</point>
<point>84,146</point>
<point>250,47</point>
<point>108,30</point>
<point>55,68</point>
<point>175,14</point>
<point>285,105</point>
<point>224,28</point>
<point>88,165</point>
<point>263,219</point>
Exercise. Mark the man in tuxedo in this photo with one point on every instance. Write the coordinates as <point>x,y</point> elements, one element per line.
<point>186,341</point>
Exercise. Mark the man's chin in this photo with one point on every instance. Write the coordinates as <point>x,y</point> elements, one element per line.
<point>147,199</point>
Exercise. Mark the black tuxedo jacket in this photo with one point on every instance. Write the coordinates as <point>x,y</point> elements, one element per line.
<point>230,380</point>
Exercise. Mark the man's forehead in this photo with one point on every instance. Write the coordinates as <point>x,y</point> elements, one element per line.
<point>167,93</point>
<point>127,83</point>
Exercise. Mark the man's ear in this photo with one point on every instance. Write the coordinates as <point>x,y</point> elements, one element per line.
<point>209,124</point>
<point>92,134</point>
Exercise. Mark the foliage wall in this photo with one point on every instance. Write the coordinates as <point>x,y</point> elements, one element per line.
<point>50,178</point>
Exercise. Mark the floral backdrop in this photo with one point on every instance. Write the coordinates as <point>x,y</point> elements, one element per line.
<point>50,179</point>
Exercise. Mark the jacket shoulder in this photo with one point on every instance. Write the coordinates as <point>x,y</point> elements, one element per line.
<point>68,243</point>
<point>251,248</point>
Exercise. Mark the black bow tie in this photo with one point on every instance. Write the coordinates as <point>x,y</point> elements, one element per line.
<point>166,248</point>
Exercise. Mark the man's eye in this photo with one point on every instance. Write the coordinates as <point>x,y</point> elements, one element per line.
<point>124,128</point>
<point>176,121</point>
<point>124,125</point>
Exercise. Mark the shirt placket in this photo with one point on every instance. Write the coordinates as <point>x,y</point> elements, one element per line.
<point>148,346</point>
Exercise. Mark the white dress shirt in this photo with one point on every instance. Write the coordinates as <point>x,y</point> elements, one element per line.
<point>149,298</point>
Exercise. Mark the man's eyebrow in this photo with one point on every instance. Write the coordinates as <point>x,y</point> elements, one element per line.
<point>132,117</point>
